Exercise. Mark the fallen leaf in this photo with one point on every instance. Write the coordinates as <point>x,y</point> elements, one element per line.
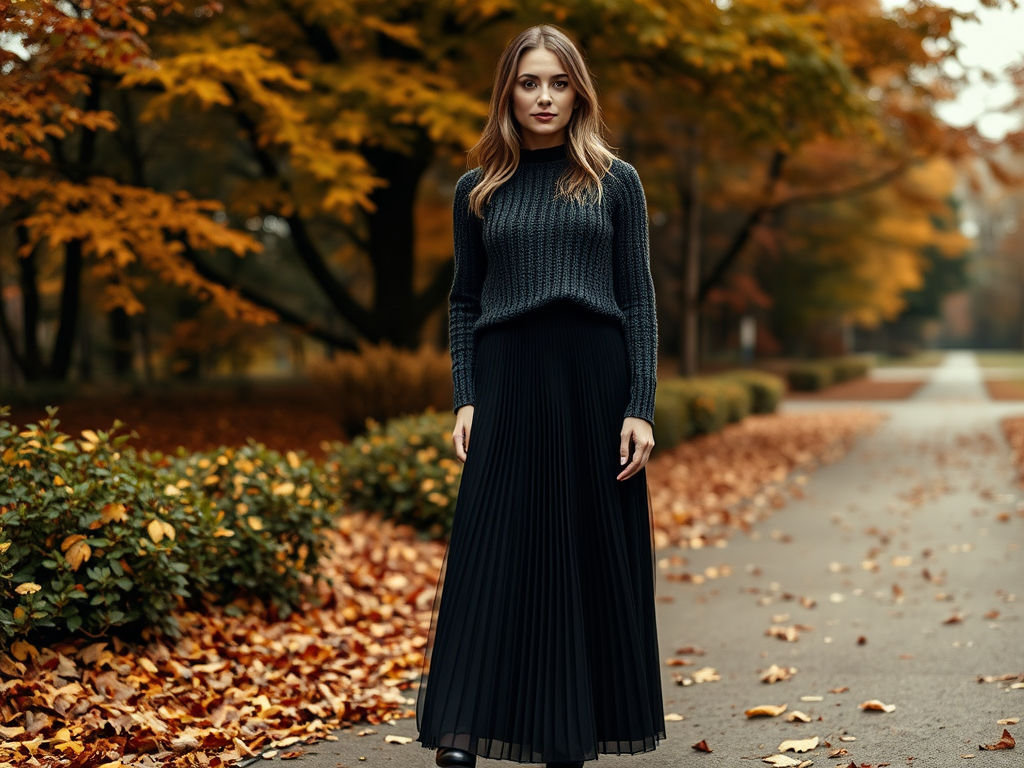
<point>673,717</point>
<point>956,618</point>
<point>1006,742</point>
<point>847,737</point>
<point>706,675</point>
<point>775,673</point>
<point>392,738</point>
<point>366,732</point>
<point>874,705</point>
<point>781,761</point>
<point>789,634</point>
<point>992,615</point>
<point>812,698</point>
<point>690,650</point>
<point>797,716</point>
<point>678,663</point>
<point>702,746</point>
<point>841,689</point>
<point>799,745</point>
<point>292,754</point>
<point>1008,721</point>
<point>838,752</point>
<point>766,710</point>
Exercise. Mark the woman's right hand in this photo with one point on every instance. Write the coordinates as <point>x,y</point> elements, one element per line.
<point>460,436</point>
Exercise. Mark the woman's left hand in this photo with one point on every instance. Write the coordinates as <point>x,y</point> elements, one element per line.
<point>639,431</point>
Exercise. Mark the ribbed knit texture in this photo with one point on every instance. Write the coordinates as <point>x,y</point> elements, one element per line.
<point>531,248</point>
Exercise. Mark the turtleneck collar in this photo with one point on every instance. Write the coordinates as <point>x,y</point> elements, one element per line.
<point>547,154</point>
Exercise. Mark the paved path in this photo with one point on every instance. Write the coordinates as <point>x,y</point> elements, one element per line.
<point>933,490</point>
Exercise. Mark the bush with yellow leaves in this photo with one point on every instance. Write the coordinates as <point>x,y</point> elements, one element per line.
<point>405,467</point>
<point>94,535</point>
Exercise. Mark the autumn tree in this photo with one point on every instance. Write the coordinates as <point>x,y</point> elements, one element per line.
<point>61,209</point>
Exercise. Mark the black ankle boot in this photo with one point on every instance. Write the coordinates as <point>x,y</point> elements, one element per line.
<point>449,757</point>
<point>565,765</point>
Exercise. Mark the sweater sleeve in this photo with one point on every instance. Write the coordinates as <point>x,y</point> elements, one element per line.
<point>467,283</point>
<point>634,290</point>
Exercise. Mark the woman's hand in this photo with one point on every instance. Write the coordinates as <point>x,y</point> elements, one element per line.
<point>639,430</point>
<point>460,436</point>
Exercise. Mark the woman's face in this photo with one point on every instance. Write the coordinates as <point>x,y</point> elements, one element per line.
<point>543,99</point>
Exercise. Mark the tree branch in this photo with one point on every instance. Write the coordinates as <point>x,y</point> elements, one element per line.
<point>286,315</point>
<point>742,236</point>
<point>347,307</point>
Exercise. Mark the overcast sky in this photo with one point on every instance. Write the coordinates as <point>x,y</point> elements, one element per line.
<point>993,42</point>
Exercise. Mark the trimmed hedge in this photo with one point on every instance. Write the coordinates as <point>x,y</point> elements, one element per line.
<point>766,389</point>
<point>685,407</point>
<point>810,377</point>
<point>815,375</point>
<point>94,535</point>
<point>850,367</point>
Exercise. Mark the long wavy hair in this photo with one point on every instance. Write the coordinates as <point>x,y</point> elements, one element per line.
<point>497,151</point>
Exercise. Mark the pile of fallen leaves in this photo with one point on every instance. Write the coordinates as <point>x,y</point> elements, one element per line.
<point>237,687</point>
<point>1013,428</point>
<point>735,477</point>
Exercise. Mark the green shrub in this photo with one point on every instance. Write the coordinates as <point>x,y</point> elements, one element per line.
<point>406,468</point>
<point>382,382</point>
<point>95,536</point>
<point>810,377</point>
<point>672,422</point>
<point>270,511</point>
<point>849,367</point>
<point>766,389</point>
<point>698,405</point>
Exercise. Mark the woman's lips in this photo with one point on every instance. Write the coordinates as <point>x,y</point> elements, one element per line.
<point>544,118</point>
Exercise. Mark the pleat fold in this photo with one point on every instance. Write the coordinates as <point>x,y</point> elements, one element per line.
<point>543,641</point>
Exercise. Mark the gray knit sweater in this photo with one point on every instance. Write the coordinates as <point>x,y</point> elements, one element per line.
<point>530,249</point>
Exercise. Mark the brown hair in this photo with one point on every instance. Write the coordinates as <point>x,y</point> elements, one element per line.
<point>497,151</point>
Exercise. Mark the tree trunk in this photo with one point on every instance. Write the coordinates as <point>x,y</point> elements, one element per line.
<point>121,334</point>
<point>70,298</point>
<point>33,368</point>
<point>689,305</point>
<point>391,244</point>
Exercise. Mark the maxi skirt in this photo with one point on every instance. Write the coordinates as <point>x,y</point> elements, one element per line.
<point>543,643</point>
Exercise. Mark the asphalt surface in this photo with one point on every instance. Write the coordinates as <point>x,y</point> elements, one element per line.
<point>902,571</point>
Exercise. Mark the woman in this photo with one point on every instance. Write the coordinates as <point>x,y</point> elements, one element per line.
<point>543,644</point>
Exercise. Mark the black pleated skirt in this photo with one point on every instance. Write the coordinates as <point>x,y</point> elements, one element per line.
<point>543,642</point>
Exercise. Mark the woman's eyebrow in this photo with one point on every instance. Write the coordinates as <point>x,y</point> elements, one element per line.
<point>537,77</point>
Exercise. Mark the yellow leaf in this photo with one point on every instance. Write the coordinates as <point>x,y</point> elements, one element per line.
<point>70,541</point>
<point>171,490</point>
<point>169,531</point>
<point>283,489</point>
<point>58,480</point>
<point>4,547</point>
<point>799,745</point>
<point>148,665</point>
<point>91,436</point>
<point>223,532</point>
<point>77,554</point>
<point>293,459</point>
<point>114,513</point>
<point>28,588</point>
<point>766,710</point>
<point>156,531</point>
<point>255,523</point>
<point>22,650</point>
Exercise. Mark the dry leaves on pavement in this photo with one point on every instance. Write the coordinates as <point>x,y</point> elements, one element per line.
<point>1006,742</point>
<point>738,476</point>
